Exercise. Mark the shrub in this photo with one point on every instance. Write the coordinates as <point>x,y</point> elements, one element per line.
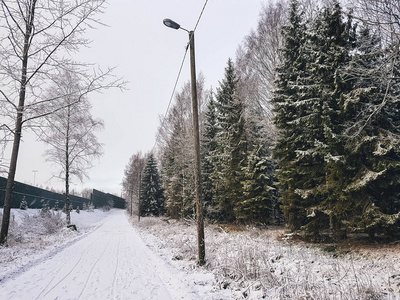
<point>52,222</point>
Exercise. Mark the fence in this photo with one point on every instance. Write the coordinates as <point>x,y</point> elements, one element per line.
<point>100,199</point>
<point>36,197</point>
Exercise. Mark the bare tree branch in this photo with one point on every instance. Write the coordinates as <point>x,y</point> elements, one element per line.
<point>37,41</point>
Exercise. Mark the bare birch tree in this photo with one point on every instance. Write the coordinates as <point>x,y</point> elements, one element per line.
<point>262,47</point>
<point>384,14</point>
<point>69,131</point>
<point>256,60</point>
<point>37,41</point>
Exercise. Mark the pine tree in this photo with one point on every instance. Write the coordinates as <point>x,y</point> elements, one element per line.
<point>231,150</point>
<point>151,198</point>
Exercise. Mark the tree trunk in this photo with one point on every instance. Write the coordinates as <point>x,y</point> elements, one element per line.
<point>10,180</point>
<point>18,127</point>
<point>67,201</point>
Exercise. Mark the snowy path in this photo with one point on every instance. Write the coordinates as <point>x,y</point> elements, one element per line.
<point>111,262</point>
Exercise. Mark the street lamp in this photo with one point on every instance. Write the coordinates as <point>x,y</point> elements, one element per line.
<point>196,134</point>
<point>34,177</point>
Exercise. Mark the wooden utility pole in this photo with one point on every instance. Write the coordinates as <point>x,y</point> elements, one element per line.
<point>196,134</point>
<point>197,173</point>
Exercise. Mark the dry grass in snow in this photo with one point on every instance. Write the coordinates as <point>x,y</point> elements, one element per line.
<point>259,264</point>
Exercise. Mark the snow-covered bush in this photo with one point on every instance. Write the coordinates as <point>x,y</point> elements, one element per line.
<point>32,223</point>
<point>106,208</point>
<point>15,233</point>
<point>45,211</point>
<point>52,222</point>
<point>90,207</point>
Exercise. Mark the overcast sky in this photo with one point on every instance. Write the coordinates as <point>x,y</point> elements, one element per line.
<point>148,55</point>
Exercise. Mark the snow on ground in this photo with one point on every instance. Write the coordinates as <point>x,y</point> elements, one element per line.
<point>252,263</point>
<point>110,258</point>
<point>106,259</point>
<point>32,237</point>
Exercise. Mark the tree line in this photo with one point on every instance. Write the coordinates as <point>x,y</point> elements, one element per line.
<point>304,127</point>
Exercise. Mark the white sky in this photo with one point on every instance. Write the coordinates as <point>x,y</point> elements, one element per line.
<point>148,55</point>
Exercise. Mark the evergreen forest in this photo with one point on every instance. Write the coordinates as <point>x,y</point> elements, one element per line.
<point>303,129</point>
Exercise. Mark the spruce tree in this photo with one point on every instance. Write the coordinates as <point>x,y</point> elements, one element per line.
<point>151,197</point>
<point>177,184</point>
<point>45,211</point>
<point>309,103</point>
<point>332,41</point>
<point>259,203</point>
<point>209,147</point>
<point>372,132</point>
<point>292,143</point>
<point>173,187</point>
<point>230,154</point>
<point>24,204</point>
<point>259,193</point>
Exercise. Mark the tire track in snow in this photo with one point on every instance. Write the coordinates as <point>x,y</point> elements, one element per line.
<point>115,264</point>
<point>66,275</point>
<point>26,267</point>
<point>91,270</point>
<point>114,291</point>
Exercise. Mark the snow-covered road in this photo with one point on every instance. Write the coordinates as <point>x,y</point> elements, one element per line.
<point>112,262</point>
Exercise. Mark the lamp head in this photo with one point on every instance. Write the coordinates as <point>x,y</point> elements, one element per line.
<point>171,24</point>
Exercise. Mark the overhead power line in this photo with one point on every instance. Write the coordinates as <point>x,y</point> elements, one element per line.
<point>178,77</point>
<point>172,96</point>
<point>201,14</point>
